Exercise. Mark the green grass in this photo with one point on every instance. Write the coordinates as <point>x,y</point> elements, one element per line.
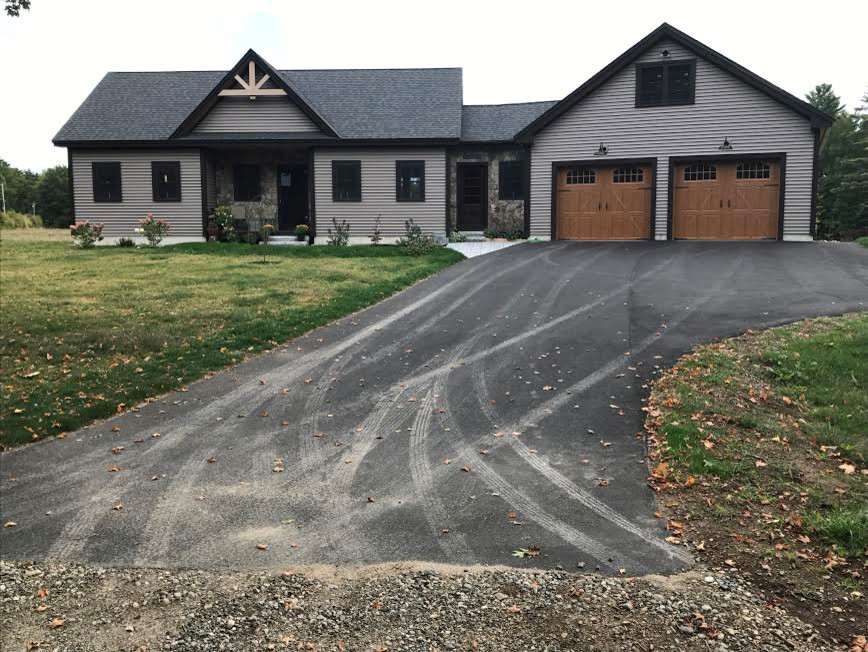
<point>862,241</point>
<point>793,398</point>
<point>85,333</point>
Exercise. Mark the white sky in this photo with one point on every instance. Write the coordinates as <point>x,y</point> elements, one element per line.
<point>511,51</point>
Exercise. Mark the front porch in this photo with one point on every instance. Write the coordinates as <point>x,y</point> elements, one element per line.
<point>261,185</point>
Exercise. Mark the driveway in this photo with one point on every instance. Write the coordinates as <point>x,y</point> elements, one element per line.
<point>474,414</point>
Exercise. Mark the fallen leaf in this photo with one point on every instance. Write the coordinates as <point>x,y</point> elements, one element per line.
<point>41,608</point>
<point>848,469</point>
<point>57,622</point>
<point>211,460</point>
<point>262,546</point>
<point>10,524</point>
<point>114,468</point>
<point>514,609</point>
<point>760,464</point>
<point>116,428</point>
<point>691,481</point>
<point>376,604</point>
<point>118,507</point>
<point>603,483</point>
<point>466,469</point>
<point>729,562</point>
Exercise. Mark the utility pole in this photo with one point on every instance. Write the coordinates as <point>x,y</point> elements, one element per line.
<point>33,209</point>
<point>3,194</point>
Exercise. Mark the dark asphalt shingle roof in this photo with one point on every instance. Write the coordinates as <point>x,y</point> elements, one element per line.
<point>375,104</point>
<point>499,122</point>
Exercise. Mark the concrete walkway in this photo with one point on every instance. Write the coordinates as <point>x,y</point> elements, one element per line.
<point>473,249</point>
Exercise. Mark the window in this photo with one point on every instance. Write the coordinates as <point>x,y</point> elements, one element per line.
<point>661,84</point>
<point>753,170</point>
<point>700,172</point>
<point>511,184</point>
<point>247,182</point>
<point>581,176</point>
<point>347,180</point>
<point>106,181</point>
<point>166,180</point>
<point>628,175</point>
<point>410,180</point>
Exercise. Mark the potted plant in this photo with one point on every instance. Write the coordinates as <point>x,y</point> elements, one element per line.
<point>301,231</point>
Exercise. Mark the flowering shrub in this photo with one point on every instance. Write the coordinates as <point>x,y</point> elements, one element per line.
<point>85,234</point>
<point>301,230</point>
<point>225,221</point>
<point>415,242</point>
<point>154,229</point>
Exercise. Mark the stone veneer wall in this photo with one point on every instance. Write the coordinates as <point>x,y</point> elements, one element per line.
<point>224,166</point>
<point>504,211</point>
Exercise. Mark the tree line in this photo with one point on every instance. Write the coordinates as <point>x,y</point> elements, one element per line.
<point>46,191</point>
<point>842,188</point>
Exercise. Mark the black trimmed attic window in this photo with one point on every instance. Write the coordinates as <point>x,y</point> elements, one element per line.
<point>700,172</point>
<point>346,181</point>
<point>246,182</point>
<point>166,180</point>
<point>753,170</point>
<point>510,181</point>
<point>106,181</point>
<point>410,180</point>
<point>666,83</point>
<point>579,176</point>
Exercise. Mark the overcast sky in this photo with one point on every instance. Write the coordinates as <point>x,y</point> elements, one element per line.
<point>56,53</point>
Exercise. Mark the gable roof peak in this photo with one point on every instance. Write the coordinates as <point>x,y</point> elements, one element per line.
<point>251,87</point>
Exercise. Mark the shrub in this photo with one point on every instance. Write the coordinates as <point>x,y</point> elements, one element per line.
<point>377,235</point>
<point>16,220</point>
<point>507,225</point>
<point>340,237</point>
<point>154,229</point>
<point>86,234</point>
<point>457,236</point>
<point>415,242</point>
<point>489,232</point>
<point>225,221</point>
<point>126,242</point>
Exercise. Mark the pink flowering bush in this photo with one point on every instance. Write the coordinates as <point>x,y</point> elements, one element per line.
<point>154,229</point>
<point>85,234</point>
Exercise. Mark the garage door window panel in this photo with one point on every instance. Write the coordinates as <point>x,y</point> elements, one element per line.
<point>628,175</point>
<point>700,172</point>
<point>753,170</point>
<point>581,176</point>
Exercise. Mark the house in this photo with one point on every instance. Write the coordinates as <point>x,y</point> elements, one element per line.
<point>671,140</point>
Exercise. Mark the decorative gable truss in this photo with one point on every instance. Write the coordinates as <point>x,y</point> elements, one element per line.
<point>251,87</point>
<point>253,77</point>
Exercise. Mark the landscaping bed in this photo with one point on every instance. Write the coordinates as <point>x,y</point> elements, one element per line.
<point>86,333</point>
<point>758,450</point>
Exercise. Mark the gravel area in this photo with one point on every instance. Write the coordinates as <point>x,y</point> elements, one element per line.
<point>395,607</point>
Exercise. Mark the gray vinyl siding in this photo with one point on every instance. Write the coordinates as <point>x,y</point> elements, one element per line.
<point>725,107</point>
<point>378,192</point>
<point>239,114</point>
<point>210,182</point>
<point>122,218</point>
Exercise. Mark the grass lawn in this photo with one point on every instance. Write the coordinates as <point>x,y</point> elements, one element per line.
<point>863,241</point>
<point>760,447</point>
<point>86,333</point>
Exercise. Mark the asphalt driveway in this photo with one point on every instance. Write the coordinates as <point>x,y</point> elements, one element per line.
<point>474,414</point>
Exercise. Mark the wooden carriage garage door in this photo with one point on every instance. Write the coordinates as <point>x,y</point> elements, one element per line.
<point>726,201</point>
<point>595,203</point>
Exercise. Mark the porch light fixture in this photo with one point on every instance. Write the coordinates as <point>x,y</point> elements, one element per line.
<point>726,144</point>
<point>602,150</point>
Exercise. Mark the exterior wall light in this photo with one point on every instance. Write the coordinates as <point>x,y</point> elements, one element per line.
<point>726,144</point>
<point>602,150</point>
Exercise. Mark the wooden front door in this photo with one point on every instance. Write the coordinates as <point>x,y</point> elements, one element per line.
<point>472,196</point>
<point>599,203</point>
<point>291,196</point>
<point>726,201</point>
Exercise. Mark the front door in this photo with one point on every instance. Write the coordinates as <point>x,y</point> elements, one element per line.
<point>472,196</point>
<point>291,196</point>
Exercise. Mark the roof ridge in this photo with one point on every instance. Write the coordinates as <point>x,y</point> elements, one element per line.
<point>514,103</point>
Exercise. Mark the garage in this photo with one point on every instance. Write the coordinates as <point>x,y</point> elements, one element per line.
<point>721,200</point>
<point>603,203</point>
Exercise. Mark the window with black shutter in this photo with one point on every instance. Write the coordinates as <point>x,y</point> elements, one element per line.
<point>410,180</point>
<point>247,182</point>
<point>166,180</point>
<point>106,181</point>
<point>510,184</point>
<point>347,180</point>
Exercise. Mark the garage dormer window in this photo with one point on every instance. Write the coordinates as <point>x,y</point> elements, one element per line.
<point>700,172</point>
<point>665,84</point>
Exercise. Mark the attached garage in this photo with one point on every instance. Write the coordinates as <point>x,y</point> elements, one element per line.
<point>594,202</point>
<point>726,200</point>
